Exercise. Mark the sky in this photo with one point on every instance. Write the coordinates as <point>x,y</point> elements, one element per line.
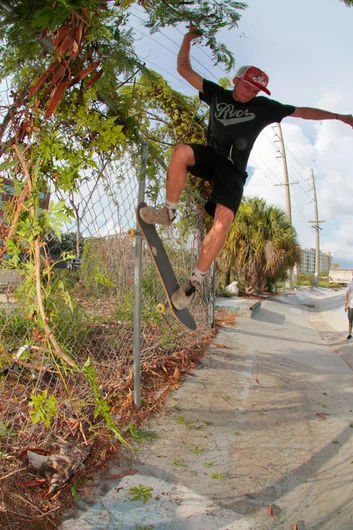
<point>305,47</point>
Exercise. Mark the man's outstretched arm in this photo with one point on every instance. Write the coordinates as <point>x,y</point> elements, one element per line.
<point>184,65</point>
<point>308,113</point>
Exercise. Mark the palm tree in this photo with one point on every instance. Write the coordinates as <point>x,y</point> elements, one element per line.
<point>261,246</point>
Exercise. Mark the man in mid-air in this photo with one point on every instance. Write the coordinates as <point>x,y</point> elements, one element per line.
<point>236,119</point>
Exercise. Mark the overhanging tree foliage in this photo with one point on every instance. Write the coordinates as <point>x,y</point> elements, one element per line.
<point>67,63</point>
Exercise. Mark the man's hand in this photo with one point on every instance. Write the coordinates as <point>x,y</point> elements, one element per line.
<point>193,33</point>
<point>346,118</point>
<point>346,307</point>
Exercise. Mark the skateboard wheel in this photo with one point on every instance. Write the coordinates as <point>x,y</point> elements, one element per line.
<point>131,232</point>
<point>160,308</point>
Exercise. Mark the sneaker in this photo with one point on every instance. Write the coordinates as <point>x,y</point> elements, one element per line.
<point>348,337</point>
<point>185,294</point>
<point>159,216</point>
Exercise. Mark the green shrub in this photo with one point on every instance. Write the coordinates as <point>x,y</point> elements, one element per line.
<point>15,328</point>
<point>93,271</point>
<point>70,325</point>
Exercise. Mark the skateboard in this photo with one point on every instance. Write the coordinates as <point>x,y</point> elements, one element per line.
<point>164,269</point>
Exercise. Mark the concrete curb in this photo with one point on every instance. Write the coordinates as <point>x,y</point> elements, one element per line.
<point>243,307</point>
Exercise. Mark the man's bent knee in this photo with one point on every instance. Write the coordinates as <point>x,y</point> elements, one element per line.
<point>224,216</point>
<point>183,153</point>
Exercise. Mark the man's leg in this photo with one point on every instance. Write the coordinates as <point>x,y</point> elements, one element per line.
<point>182,157</point>
<point>211,247</point>
<point>216,237</point>
<point>350,321</point>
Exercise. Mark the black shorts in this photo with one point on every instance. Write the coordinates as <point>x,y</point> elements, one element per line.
<point>228,181</point>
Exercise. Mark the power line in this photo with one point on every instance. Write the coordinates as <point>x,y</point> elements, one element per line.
<point>292,167</point>
<point>179,79</point>
<point>177,44</point>
<point>275,179</point>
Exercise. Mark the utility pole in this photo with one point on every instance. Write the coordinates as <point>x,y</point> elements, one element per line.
<point>316,225</point>
<point>285,172</point>
<point>282,155</point>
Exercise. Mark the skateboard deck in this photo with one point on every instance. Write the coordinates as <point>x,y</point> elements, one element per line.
<point>164,268</point>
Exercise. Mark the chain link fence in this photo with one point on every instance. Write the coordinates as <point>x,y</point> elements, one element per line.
<point>52,415</point>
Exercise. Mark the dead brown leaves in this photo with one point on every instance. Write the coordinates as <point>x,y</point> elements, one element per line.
<point>225,318</point>
<point>71,66</point>
<point>74,62</point>
<point>161,371</point>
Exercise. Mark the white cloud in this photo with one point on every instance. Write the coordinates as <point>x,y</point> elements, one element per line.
<point>329,153</point>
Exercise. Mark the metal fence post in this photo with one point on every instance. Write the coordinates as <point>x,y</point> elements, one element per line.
<point>137,284</point>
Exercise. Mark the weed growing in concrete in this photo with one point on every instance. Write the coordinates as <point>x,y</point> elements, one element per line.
<point>216,476</point>
<point>141,493</point>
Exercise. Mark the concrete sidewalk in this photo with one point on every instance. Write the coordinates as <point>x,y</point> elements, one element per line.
<point>261,438</point>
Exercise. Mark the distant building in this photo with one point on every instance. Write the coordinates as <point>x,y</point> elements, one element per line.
<point>308,261</point>
<point>341,276</point>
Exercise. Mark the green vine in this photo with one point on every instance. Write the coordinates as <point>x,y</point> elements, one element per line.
<point>101,406</point>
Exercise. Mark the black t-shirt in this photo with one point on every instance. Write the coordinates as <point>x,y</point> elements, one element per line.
<point>233,126</point>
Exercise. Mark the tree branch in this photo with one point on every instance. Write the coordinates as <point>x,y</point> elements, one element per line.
<point>48,331</point>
